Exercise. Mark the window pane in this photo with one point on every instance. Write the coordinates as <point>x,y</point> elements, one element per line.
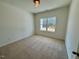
<point>43,22</point>
<point>51,24</point>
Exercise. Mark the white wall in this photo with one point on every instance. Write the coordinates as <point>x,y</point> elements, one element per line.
<point>72,37</point>
<point>62,17</point>
<point>15,24</point>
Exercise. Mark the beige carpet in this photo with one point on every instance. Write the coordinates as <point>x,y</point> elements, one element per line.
<point>35,47</point>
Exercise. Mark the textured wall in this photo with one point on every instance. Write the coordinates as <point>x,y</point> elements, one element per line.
<point>72,37</point>
<point>15,24</point>
<point>62,17</point>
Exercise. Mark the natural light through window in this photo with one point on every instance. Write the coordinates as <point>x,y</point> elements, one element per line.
<point>43,24</point>
<point>48,24</point>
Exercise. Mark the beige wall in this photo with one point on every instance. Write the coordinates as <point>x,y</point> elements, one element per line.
<point>72,36</point>
<point>61,14</point>
<point>15,24</point>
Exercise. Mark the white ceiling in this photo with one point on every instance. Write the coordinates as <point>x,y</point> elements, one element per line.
<point>45,4</point>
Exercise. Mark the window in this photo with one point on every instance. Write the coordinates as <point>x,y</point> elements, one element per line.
<point>43,23</point>
<point>48,24</point>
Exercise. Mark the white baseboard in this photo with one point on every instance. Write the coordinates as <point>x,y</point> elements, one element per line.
<point>17,39</point>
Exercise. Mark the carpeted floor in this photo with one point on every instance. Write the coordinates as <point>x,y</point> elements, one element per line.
<point>35,47</point>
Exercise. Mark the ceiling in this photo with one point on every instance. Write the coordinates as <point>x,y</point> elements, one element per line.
<point>45,4</point>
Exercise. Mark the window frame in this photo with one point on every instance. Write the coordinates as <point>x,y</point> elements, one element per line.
<point>47,24</point>
<point>42,24</point>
